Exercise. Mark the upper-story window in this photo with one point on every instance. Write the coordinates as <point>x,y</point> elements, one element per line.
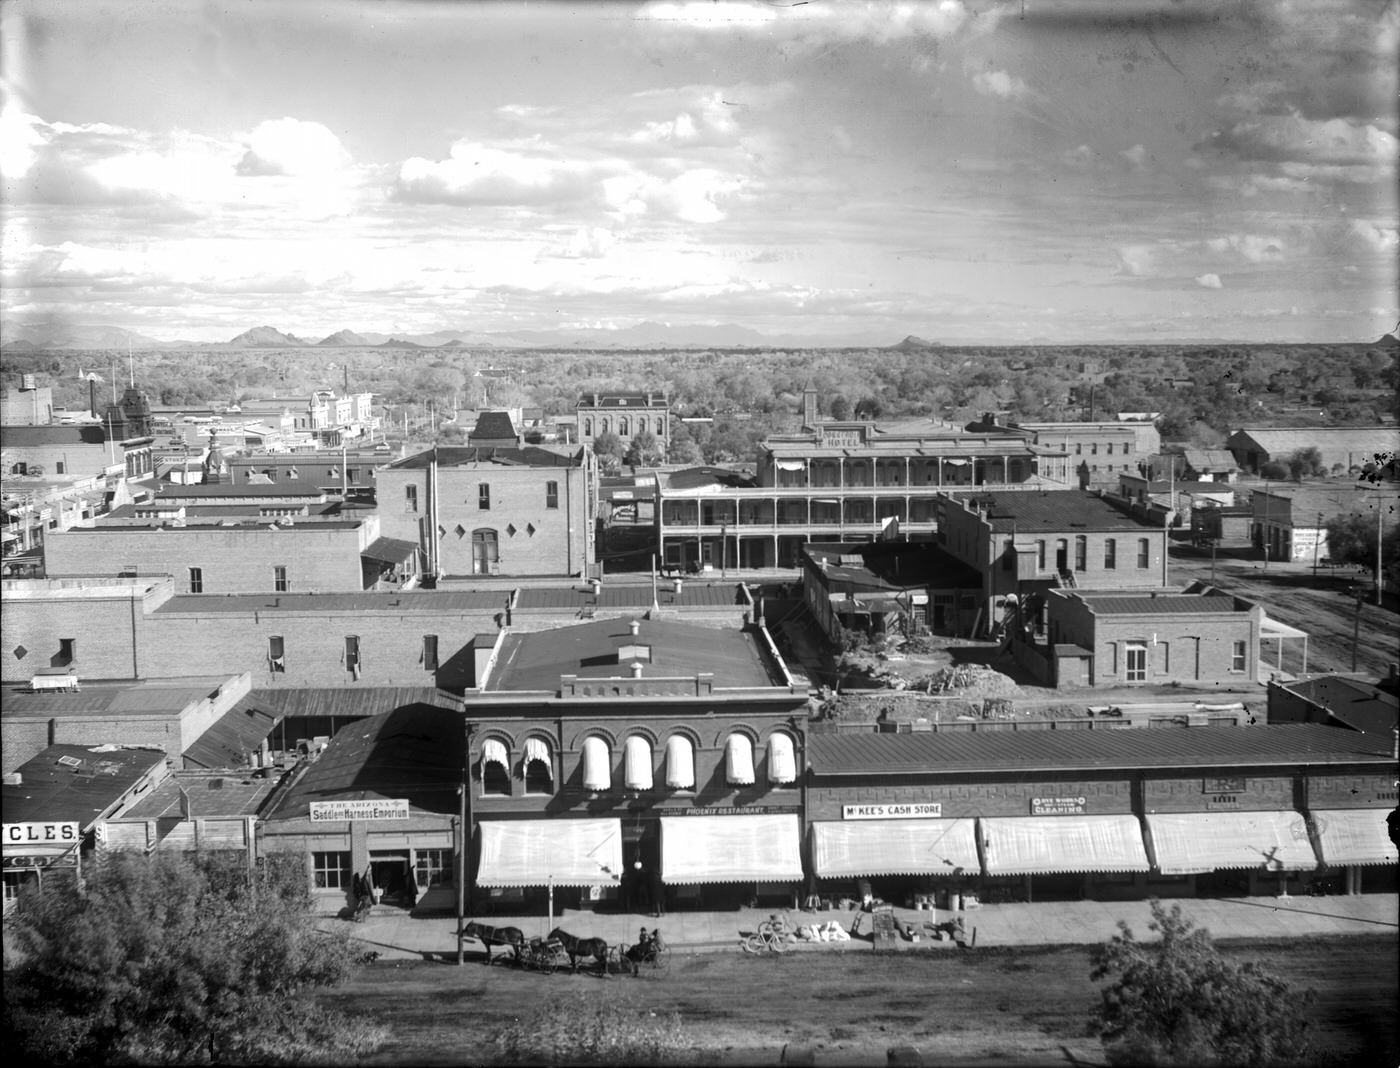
<point>1110,554</point>
<point>538,767</point>
<point>280,582</point>
<point>410,498</point>
<point>782,760</point>
<point>483,497</point>
<point>738,760</point>
<point>196,580</point>
<point>597,770</point>
<point>1081,553</point>
<point>636,764</point>
<point>495,768</point>
<point>551,494</point>
<point>1144,553</point>
<point>680,763</point>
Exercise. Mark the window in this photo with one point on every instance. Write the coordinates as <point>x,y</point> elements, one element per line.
<point>354,474</point>
<point>1094,448</point>
<point>1008,558</point>
<point>551,495</point>
<point>410,498</point>
<point>1110,554</point>
<point>1136,656</point>
<point>276,653</point>
<point>1144,552</point>
<point>588,427</point>
<point>1040,556</point>
<point>196,580</point>
<point>641,424</point>
<point>433,867</point>
<point>1061,555</point>
<point>279,579</point>
<point>624,427</point>
<point>330,871</point>
<point>1237,657</point>
<point>538,768</point>
<point>1127,449</point>
<point>1109,448</point>
<point>483,497</point>
<point>1081,553</point>
<point>485,551</point>
<point>430,652</point>
<point>67,650</point>
<point>495,768</point>
<point>1078,448</point>
<point>60,468</point>
<point>352,654</point>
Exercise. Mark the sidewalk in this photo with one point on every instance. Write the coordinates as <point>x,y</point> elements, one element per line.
<point>401,936</point>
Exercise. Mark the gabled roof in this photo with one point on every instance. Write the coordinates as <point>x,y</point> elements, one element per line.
<point>205,796</point>
<point>1146,604</point>
<point>1104,751</point>
<point>1273,439</point>
<point>233,736</point>
<point>1210,460</point>
<point>459,456</point>
<point>80,783</point>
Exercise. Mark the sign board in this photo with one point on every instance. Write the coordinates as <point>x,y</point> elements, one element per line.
<point>27,835</point>
<point>1058,806</point>
<point>914,810</point>
<point>1232,785</point>
<point>741,810</point>
<point>393,808</point>
<point>32,861</point>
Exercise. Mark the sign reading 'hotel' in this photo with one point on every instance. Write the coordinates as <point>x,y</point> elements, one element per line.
<point>393,808</point>
<point>921,810</point>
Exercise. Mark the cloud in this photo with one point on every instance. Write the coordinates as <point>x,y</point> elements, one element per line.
<point>1000,84</point>
<point>589,243</point>
<point>1136,157</point>
<point>1209,281</point>
<point>290,148</point>
<point>1337,148</point>
<point>475,174</point>
<point>1384,239</point>
<point>1253,248</point>
<point>813,23</point>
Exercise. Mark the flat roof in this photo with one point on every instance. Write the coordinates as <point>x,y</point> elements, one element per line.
<point>76,782</point>
<point>1172,603</point>
<point>174,490</point>
<point>892,565</point>
<point>206,796</point>
<point>964,752</point>
<point>147,697</point>
<point>693,595</point>
<point>284,525</point>
<point>1362,706</point>
<point>368,601</point>
<point>1029,511</point>
<point>536,660</point>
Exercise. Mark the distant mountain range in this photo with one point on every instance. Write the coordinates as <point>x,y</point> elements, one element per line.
<point>645,335</point>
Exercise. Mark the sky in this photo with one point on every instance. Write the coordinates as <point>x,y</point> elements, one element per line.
<point>993,171</point>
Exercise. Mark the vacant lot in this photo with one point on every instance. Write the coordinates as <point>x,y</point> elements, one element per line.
<point>1004,1006</point>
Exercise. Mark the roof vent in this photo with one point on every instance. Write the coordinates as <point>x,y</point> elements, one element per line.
<point>636,627</point>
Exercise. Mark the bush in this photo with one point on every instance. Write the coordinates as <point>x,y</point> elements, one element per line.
<point>1274,470</point>
<point>571,1029</point>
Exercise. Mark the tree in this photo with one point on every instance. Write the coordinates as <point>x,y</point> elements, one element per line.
<point>608,447</point>
<point>683,448</point>
<point>1304,463</point>
<point>644,451</point>
<point>1177,1001</point>
<point>1351,539</point>
<point>168,960</point>
<point>1273,470</point>
<point>840,408</point>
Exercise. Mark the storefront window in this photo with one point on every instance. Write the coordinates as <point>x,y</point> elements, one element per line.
<point>433,867</point>
<point>330,871</point>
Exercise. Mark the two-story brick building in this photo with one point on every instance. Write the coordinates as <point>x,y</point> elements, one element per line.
<point>626,414</point>
<point>494,511</point>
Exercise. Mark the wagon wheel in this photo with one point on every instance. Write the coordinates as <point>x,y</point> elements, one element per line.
<point>778,944</point>
<point>545,962</point>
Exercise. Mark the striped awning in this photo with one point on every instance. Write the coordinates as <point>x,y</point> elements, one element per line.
<point>560,851</point>
<point>738,760</point>
<point>1354,836</point>
<point>1184,843</point>
<point>1046,845</point>
<point>730,849</point>
<point>895,847</point>
<point>680,763</point>
<point>636,763</point>
<point>782,761</point>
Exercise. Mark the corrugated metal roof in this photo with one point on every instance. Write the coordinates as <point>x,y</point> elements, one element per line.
<point>1357,704</point>
<point>361,701</point>
<point>1210,459</point>
<point>693,595</point>
<point>1016,751</point>
<point>230,739</point>
<point>83,792</point>
<point>1286,439</point>
<point>108,698</point>
<point>1163,604</point>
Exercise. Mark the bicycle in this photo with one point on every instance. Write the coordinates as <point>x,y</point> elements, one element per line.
<point>764,942</point>
<point>779,926</point>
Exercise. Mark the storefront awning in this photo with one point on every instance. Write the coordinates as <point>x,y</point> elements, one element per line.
<point>730,849</point>
<point>680,763</point>
<point>534,852</point>
<point>393,551</point>
<point>782,762</point>
<point>1189,842</point>
<point>791,465</point>
<point>1045,845</point>
<point>1354,836</point>
<point>894,847</point>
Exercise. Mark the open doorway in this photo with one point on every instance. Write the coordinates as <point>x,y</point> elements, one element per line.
<point>390,873</point>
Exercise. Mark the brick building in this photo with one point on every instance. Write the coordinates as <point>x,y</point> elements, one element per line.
<point>1098,452</point>
<point>494,511</point>
<point>626,415</point>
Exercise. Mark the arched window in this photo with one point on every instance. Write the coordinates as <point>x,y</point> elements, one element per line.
<point>641,424</point>
<point>624,426</point>
<point>738,760</point>
<point>485,551</point>
<point>782,761</point>
<point>588,427</point>
<point>597,774</point>
<point>538,768</point>
<point>606,424</point>
<point>680,763</point>
<point>495,768</point>
<point>636,764</point>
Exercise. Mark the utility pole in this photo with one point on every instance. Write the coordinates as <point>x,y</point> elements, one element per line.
<point>1355,625</point>
<point>1317,544</point>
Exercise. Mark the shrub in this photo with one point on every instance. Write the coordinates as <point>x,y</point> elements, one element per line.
<point>572,1029</point>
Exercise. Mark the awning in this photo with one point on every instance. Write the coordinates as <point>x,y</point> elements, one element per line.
<point>894,847</point>
<point>597,772</point>
<point>738,760</point>
<point>680,763</point>
<point>782,762</point>
<point>1184,843</point>
<point>534,852</point>
<point>390,551</point>
<point>1354,836</point>
<point>791,465</point>
<point>1044,845</point>
<point>1272,628</point>
<point>494,752</point>
<point>535,749</point>
<point>636,764</point>
<point>730,849</point>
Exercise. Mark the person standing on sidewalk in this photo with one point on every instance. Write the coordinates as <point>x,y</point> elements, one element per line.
<point>658,900</point>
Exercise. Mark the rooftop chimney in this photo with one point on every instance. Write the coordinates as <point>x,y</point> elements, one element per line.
<point>636,669</point>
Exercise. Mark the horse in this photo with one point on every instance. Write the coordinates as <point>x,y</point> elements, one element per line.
<point>596,948</point>
<point>497,936</point>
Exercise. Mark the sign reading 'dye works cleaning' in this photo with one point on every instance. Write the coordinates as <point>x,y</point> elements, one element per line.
<point>388,808</point>
<point>915,810</point>
<point>1057,806</point>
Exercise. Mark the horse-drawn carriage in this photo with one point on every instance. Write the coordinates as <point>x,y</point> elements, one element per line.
<point>559,949</point>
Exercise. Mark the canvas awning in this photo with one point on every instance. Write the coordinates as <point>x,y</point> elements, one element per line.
<point>894,847</point>
<point>636,763</point>
<point>730,849</point>
<point>1187,842</point>
<point>535,749</point>
<point>536,852</point>
<point>791,465</point>
<point>597,770</point>
<point>680,763</point>
<point>390,551</point>
<point>1354,836</point>
<point>738,760</point>
<point>1045,845</point>
<point>494,752</point>
<point>782,761</point>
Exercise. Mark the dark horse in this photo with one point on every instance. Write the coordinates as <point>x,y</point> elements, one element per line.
<point>497,936</point>
<point>578,948</point>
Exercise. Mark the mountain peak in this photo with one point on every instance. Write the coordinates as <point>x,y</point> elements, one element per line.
<point>912,343</point>
<point>343,337</point>
<point>265,337</point>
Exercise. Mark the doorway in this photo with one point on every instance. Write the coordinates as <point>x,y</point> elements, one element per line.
<point>1136,662</point>
<point>390,872</point>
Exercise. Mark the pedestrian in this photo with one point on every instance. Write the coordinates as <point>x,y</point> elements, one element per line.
<point>658,900</point>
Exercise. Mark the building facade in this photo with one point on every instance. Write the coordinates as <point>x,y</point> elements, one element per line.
<point>626,415</point>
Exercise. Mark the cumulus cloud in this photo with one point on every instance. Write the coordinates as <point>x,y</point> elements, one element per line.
<point>1337,148</point>
<point>1209,281</point>
<point>589,243</point>
<point>1384,239</point>
<point>998,83</point>
<point>480,174</point>
<point>1253,248</point>
<point>290,148</point>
